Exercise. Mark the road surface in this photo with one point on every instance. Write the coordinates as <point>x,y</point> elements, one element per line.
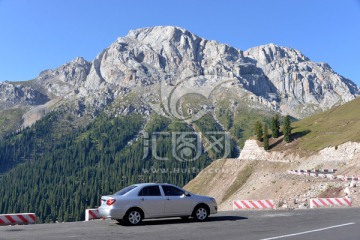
<point>315,224</point>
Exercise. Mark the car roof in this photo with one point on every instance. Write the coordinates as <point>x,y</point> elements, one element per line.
<point>150,184</point>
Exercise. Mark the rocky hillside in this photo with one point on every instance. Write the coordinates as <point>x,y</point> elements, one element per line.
<point>149,64</point>
<point>259,174</point>
<point>329,140</point>
<point>234,179</point>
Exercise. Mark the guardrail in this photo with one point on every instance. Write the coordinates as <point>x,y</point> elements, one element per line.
<point>352,178</point>
<point>17,218</point>
<point>314,173</point>
<point>253,204</point>
<point>325,173</point>
<point>330,202</point>
<point>91,214</point>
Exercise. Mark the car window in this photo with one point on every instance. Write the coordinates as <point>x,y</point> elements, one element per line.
<point>150,191</point>
<point>125,190</point>
<point>172,191</point>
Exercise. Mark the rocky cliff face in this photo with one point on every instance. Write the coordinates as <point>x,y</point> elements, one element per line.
<point>65,79</point>
<point>300,83</point>
<point>18,94</point>
<point>346,152</point>
<point>277,77</point>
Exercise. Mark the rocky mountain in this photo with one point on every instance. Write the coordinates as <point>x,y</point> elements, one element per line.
<point>329,140</point>
<point>88,139</point>
<point>148,64</point>
<point>301,83</point>
<point>18,94</point>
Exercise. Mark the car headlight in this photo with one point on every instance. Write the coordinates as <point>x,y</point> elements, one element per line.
<point>213,200</point>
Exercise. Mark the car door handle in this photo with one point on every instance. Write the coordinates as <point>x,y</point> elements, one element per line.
<point>167,198</point>
<point>142,199</point>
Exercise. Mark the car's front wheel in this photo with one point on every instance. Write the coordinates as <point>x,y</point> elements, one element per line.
<point>133,217</point>
<point>201,213</point>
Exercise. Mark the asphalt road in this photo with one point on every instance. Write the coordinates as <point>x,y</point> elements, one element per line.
<point>300,224</point>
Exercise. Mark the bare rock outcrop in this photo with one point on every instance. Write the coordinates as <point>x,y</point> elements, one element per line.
<point>301,82</point>
<point>12,94</point>
<point>345,152</point>
<point>280,78</point>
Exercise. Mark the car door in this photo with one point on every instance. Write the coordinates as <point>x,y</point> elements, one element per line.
<point>176,202</point>
<point>152,202</point>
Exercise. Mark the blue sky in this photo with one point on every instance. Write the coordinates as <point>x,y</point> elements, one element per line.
<point>42,34</point>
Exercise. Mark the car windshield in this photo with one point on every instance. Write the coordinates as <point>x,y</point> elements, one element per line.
<point>125,190</point>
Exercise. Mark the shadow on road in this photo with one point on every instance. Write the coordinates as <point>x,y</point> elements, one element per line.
<point>181,221</point>
<point>226,218</point>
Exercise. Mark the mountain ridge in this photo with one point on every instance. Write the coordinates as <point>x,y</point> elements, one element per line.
<point>279,78</point>
<point>84,128</point>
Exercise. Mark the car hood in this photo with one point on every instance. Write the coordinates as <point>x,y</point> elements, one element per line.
<point>201,197</point>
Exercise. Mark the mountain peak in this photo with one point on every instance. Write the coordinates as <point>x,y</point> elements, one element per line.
<point>279,78</point>
<point>80,60</point>
<point>162,35</point>
<point>272,52</point>
<point>165,31</point>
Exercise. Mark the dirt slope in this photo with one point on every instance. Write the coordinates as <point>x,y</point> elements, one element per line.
<point>231,179</point>
<point>324,141</point>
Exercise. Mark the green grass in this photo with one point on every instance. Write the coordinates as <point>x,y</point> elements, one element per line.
<point>331,128</point>
<point>244,121</point>
<point>10,120</point>
<point>195,102</point>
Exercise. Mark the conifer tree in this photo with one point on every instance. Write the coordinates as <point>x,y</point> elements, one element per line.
<point>258,131</point>
<point>275,126</point>
<point>287,129</point>
<point>266,137</point>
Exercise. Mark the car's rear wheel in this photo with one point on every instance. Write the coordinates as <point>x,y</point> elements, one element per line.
<point>201,213</point>
<point>133,217</point>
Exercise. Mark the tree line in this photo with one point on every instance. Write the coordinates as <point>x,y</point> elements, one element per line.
<point>262,133</point>
<point>58,171</point>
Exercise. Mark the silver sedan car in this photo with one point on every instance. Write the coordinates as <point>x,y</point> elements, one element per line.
<point>155,200</point>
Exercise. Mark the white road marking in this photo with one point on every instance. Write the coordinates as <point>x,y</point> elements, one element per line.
<point>311,231</point>
<point>278,215</point>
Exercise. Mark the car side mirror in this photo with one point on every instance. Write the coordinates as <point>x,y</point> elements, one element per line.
<point>187,194</point>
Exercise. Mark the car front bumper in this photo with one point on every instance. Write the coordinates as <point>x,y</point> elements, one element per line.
<point>213,209</point>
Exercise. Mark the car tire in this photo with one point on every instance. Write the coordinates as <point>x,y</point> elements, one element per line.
<point>133,217</point>
<point>201,213</point>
